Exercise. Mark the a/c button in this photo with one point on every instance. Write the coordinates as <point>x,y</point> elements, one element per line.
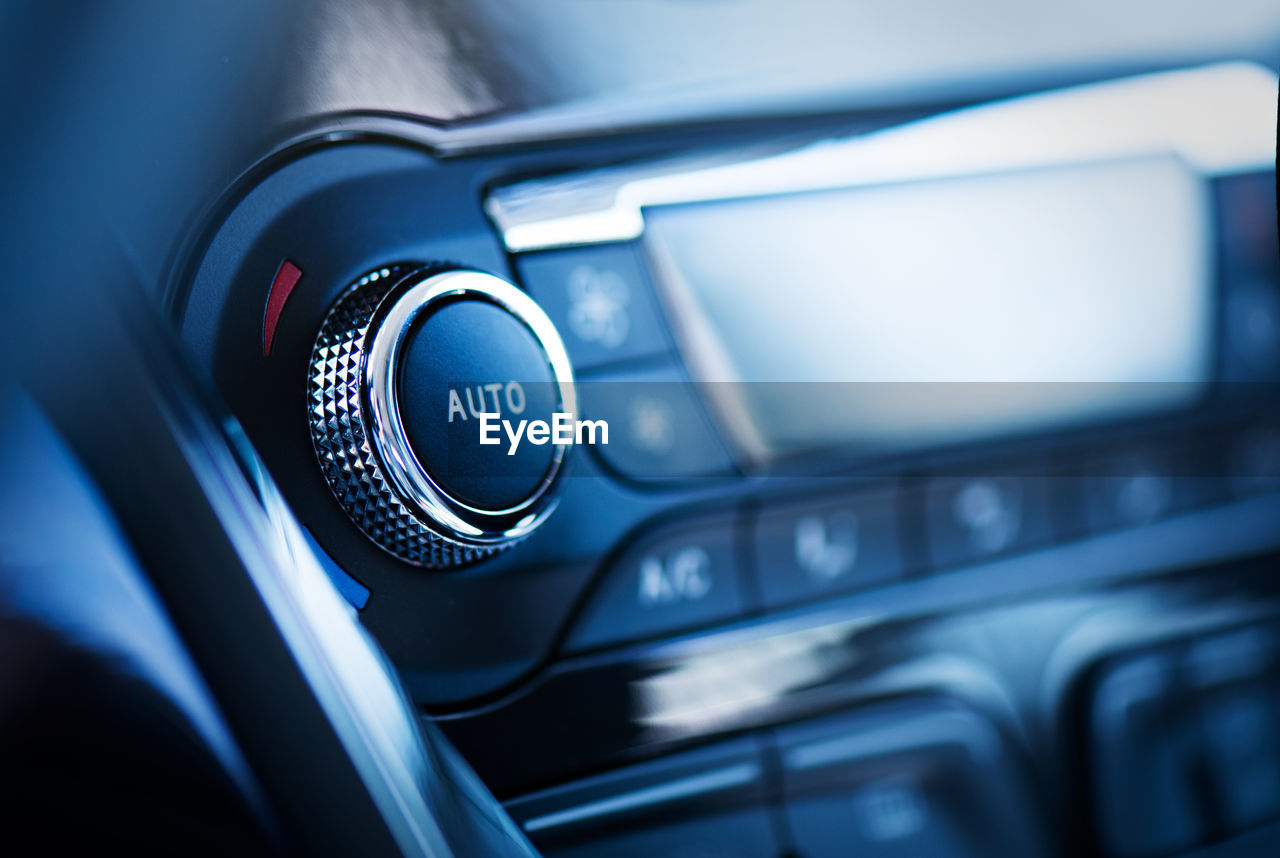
<point>667,583</point>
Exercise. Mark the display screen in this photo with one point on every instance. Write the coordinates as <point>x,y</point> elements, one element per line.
<point>939,311</point>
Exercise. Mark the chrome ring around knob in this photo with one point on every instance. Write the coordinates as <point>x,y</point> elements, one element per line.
<point>360,437</point>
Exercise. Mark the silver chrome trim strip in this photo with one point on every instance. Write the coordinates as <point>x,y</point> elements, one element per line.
<point>729,776</point>
<point>1220,118</point>
<point>353,682</point>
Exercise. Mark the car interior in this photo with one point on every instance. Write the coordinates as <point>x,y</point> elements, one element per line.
<point>924,358</point>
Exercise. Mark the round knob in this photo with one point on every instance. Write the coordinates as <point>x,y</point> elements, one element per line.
<point>406,364</point>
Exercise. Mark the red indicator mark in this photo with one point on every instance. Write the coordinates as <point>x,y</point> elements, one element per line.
<point>281,288</point>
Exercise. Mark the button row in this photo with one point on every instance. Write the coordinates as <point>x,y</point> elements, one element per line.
<point>603,302</point>
<point>1186,743</point>
<point>694,575</point>
<point>726,566</point>
<point>917,777</point>
<point>908,778</point>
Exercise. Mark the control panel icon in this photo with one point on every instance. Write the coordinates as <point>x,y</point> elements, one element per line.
<point>598,306</point>
<point>684,577</point>
<point>890,809</point>
<point>651,425</point>
<point>990,514</point>
<point>827,547</point>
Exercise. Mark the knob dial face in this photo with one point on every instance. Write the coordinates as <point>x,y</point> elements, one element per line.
<point>405,364</point>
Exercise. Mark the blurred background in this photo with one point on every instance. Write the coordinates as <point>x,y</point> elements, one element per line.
<point>939,348</point>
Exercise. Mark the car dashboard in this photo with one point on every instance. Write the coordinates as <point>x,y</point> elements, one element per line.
<point>925,378</point>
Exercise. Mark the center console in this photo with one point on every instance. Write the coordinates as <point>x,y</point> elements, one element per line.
<point>940,485</point>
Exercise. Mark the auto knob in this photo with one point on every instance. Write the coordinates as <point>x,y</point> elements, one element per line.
<point>405,362</point>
